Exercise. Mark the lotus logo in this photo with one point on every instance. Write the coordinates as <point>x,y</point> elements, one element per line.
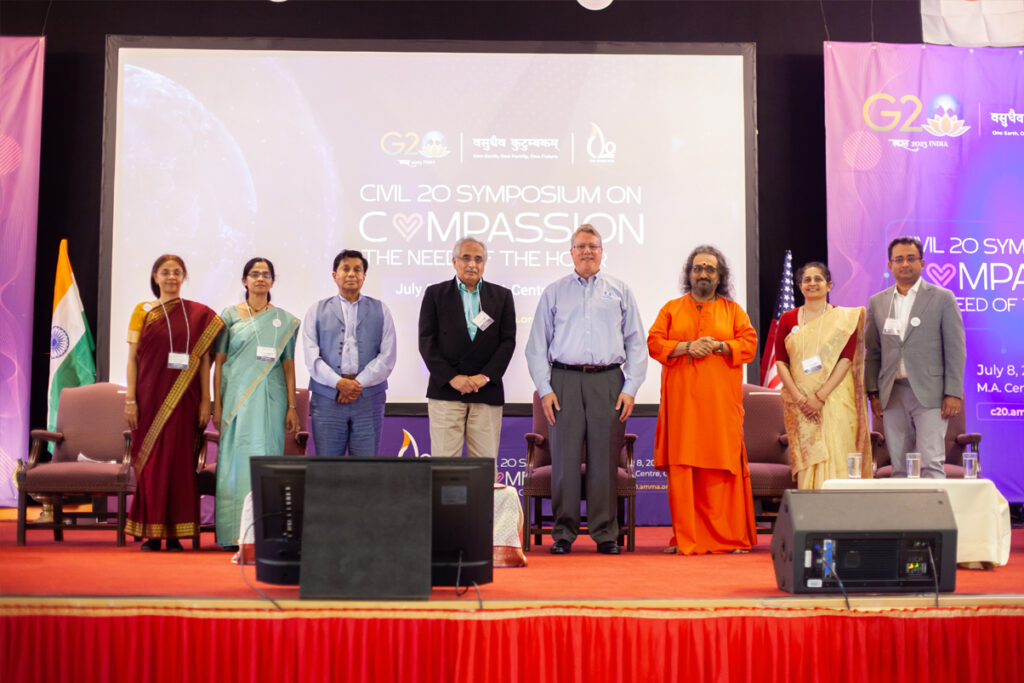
<point>409,440</point>
<point>599,149</point>
<point>434,145</point>
<point>942,118</point>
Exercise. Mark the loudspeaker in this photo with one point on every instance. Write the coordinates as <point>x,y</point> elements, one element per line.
<point>366,529</point>
<point>871,541</point>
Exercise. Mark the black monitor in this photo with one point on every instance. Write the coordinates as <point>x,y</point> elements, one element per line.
<point>462,518</point>
<point>278,495</point>
<point>462,552</point>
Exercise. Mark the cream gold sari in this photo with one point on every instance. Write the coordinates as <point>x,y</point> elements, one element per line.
<point>817,452</point>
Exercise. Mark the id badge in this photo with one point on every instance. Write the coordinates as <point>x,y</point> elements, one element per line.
<point>267,354</point>
<point>482,321</point>
<point>177,361</point>
<point>892,326</point>
<point>812,364</point>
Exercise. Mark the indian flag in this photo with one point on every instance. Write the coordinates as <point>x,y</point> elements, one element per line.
<point>71,344</point>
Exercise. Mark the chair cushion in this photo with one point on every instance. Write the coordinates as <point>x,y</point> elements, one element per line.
<point>79,477</point>
<point>770,479</point>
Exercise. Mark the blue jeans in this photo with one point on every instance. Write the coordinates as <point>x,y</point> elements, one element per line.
<point>347,428</point>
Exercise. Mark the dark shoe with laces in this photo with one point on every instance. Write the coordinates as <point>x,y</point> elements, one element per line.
<point>150,545</point>
<point>174,545</point>
<point>608,548</point>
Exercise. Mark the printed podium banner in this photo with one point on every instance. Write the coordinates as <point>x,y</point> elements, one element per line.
<point>928,141</point>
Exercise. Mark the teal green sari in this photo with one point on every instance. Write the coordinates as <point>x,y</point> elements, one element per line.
<point>254,400</point>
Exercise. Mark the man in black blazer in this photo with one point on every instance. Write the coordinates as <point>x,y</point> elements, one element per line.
<point>467,335</point>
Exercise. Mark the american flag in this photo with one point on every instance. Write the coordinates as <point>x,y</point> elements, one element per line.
<point>784,301</point>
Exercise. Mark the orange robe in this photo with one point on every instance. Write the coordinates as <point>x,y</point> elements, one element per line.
<point>699,437</point>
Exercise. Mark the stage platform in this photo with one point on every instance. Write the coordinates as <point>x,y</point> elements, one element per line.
<point>86,610</point>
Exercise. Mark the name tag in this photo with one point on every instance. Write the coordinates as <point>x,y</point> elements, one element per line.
<point>892,326</point>
<point>482,320</point>
<point>266,354</point>
<point>812,364</point>
<point>177,361</point>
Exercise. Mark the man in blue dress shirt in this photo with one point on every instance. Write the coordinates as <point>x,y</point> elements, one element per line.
<point>587,355</point>
<point>349,344</point>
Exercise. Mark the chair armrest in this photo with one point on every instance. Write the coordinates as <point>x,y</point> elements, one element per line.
<point>972,438</point>
<point>877,439</point>
<point>126,457</point>
<point>629,443</point>
<point>40,436</point>
<point>532,442</point>
<point>209,436</point>
<point>784,440</point>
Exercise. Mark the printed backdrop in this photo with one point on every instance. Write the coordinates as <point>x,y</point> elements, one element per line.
<point>928,141</point>
<point>21,109</point>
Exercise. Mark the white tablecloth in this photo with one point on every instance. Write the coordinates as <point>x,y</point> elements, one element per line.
<point>981,512</point>
<point>508,529</point>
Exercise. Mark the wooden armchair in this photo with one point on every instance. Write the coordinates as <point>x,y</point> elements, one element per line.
<point>537,482</point>
<point>91,456</point>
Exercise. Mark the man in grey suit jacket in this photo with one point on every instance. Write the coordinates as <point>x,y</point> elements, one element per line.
<point>914,366</point>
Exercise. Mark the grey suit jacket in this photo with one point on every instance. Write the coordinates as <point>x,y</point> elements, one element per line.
<point>934,351</point>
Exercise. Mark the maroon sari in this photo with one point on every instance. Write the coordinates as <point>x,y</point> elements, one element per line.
<point>164,445</point>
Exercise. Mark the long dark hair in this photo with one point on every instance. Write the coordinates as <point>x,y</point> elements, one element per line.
<point>164,258</point>
<point>724,281</point>
<point>249,265</point>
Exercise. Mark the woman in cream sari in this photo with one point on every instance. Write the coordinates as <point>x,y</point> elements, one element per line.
<point>820,359</point>
<point>254,391</point>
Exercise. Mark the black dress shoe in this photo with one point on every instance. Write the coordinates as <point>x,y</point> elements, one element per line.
<point>174,545</point>
<point>608,548</point>
<point>150,545</point>
<point>561,547</point>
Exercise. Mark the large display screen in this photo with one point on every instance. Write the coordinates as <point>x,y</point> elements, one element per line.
<point>224,150</point>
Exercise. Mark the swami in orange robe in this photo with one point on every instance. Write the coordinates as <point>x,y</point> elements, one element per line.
<point>699,438</point>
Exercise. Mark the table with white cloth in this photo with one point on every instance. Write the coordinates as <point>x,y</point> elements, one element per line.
<point>508,529</point>
<point>981,512</point>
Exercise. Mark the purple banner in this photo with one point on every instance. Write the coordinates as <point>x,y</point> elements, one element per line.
<point>651,498</point>
<point>928,141</point>
<point>21,108</point>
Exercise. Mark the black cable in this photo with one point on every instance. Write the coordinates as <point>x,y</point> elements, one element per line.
<point>832,568</point>
<point>935,573</point>
<point>871,18</point>
<point>828,37</point>
<point>46,17</point>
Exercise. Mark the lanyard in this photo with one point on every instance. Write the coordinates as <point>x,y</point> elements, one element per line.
<point>821,326</point>
<point>255,331</point>
<point>188,330</point>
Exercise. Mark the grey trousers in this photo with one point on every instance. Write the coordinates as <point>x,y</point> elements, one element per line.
<point>587,416</point>
<point>910,427</point>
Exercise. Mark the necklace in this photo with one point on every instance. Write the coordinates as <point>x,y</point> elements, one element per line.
<point>253,311</point>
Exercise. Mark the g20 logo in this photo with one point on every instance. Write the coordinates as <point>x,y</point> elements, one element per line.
<point>432,145</point>
<point>943,115</point>
<point>890,118</point>
<point>394,143</point>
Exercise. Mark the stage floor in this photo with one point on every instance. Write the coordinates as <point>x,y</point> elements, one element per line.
<point>88,564</point>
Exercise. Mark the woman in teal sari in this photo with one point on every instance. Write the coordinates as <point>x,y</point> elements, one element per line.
<point>254,391</point>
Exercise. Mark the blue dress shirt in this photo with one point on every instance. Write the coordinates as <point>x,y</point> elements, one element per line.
<point>587,322</point>
<point>470,305</point>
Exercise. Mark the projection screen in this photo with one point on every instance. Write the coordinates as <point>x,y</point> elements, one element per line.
<point>224,149</point>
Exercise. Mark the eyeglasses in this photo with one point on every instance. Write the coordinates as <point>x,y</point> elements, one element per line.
<point>260,274</point>
<point>587,247</point>
<point>710,270</point>
<point>909,260</point>
<point>467,259</point>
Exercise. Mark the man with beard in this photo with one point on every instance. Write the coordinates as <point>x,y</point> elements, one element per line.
<point>467,335</point>
<point>702,340</point>
<point>586,357</point>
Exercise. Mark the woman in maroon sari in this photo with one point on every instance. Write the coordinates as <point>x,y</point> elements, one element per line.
<point>168,404</point>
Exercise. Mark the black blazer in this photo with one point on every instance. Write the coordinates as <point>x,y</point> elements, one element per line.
<point>448,351</point>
